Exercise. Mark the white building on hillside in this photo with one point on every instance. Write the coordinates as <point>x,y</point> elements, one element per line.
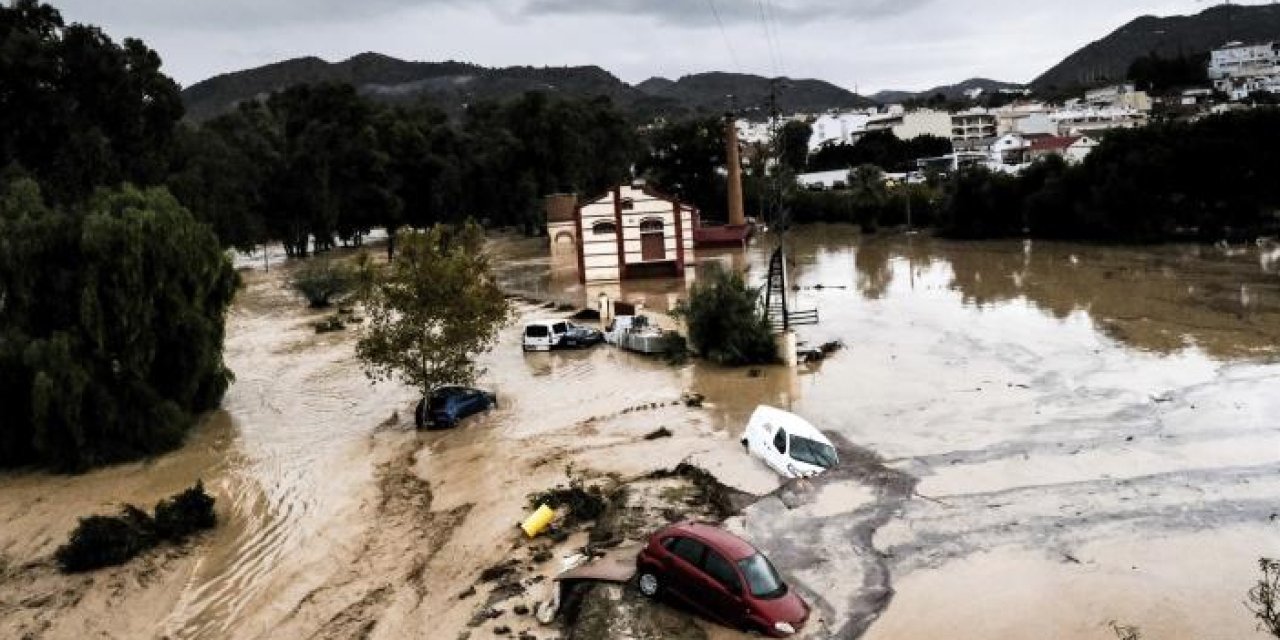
<point>1239,69</point>
<point>1078,121</point>
<point>837,128</point>
<point>973,130</point>
<point>1120,96</point>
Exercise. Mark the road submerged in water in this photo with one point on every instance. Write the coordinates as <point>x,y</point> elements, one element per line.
<point>1038,439</point>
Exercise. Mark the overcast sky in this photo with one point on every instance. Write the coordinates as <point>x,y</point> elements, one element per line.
<point>867,45</point>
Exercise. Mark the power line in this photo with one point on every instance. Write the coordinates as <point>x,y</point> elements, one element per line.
<point>768,38</point>
<point>772,16</point>
<point>728,44</point>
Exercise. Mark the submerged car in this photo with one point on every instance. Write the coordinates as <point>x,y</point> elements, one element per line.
<point>722,577</point>
<point>446,406</point>
<point>788,443</point>
<point>545,335</point>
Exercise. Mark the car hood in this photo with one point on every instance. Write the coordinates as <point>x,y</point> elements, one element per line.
<point>789,608</point>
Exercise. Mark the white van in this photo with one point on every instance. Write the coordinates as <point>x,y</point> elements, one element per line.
<point>788,443</point>
<point>544,335</point>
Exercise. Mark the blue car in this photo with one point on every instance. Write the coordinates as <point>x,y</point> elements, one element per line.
<point>447,406</point>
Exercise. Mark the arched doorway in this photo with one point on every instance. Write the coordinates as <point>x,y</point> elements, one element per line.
<point>653,241</point>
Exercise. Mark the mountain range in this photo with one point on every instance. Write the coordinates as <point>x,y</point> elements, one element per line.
<point>452,85</point>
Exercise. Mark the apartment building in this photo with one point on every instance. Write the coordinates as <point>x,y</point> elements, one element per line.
<point>1239,69</point>
<point>973,130</point>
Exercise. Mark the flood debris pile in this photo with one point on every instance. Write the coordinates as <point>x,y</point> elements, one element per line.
<point>104,541</point>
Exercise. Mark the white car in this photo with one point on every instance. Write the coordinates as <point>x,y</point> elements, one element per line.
<point>544,335</point>
<point>788,443</point>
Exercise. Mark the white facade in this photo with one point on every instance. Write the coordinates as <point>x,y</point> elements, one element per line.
<point>1073,122</point>
<point>1010,150</point>
<point>633,232</point>
<point>1120,96</point>
<point>1239,70</point>
<point>923,122</point>
<point>1080,149</point>
<point>838,128</point>
<point>1025,119</point>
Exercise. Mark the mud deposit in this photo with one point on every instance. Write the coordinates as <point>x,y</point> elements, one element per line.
<point>1037,440</point>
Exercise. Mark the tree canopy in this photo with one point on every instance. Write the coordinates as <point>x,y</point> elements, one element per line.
<point>111,326</point>
<point>436,307</point>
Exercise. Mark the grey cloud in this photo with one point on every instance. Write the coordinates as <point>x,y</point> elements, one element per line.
<point>699,12</point>
<point>236,14</point>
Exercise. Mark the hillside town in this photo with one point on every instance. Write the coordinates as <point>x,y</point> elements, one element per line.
<point>1010,137</point>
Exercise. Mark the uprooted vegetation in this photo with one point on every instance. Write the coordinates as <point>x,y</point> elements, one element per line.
<point>104,541</point>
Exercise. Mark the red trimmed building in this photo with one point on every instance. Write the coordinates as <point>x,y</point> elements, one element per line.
<point>631,232</point>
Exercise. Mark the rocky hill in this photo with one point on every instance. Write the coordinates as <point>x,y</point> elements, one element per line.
<point>452,85</point>
<point>1108,59</point>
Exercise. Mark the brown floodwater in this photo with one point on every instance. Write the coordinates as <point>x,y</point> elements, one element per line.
<point>1040,437</point>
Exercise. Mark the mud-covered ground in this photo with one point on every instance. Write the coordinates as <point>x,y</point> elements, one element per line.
<point>1037,440</point>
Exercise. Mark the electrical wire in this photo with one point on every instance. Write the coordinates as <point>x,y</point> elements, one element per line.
<point>728,44</point>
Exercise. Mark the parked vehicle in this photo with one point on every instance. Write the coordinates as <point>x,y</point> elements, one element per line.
<point>545,335</point>
<point>636,333</point>
<point>446,406</point>
<point>788,443</point>
<point>722,577</point>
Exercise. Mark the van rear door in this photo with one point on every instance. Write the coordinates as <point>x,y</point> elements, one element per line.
<point>537,337</point>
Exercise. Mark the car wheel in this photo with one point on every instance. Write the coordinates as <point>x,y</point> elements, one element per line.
<point>649,584</point>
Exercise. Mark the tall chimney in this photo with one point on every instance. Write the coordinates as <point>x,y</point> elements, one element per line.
<point>736,214</point>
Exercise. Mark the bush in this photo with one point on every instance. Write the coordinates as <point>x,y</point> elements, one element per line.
<point>322,282</point>
<point>726,323</point>
<point>184,514</point>
<point>105,541</point>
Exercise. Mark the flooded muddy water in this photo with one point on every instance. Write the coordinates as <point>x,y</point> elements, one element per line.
<point>1038,439</point>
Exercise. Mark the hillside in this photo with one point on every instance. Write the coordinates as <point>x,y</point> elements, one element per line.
<point>1108,59</point>
<point>709,92</point>
<point>951,91</point>
<point>452,85</point>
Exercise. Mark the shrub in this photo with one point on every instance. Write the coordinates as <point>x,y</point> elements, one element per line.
<point>1264,597</point>
<point>105,541</point>
<point>184,514</point>
<point>726,323</point>
<point>322,282</point>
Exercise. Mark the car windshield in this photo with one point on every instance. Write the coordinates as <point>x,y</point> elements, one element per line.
<point>762,579</point>
<point>813,452</point>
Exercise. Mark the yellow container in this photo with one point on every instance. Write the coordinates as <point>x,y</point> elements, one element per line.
<point>534,524</point>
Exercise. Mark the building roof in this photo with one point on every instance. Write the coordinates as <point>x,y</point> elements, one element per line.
<point>1053,143</point>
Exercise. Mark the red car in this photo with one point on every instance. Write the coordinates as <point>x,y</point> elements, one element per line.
<point>721,576</point>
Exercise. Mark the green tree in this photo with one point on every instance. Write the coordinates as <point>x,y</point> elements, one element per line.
<point>793,145</point>
<point>323,281</point>
<point>685,159</point>
<point>435,309</point>
<point>726,322</point>
<point>111,326</point>
<point>78,110</point>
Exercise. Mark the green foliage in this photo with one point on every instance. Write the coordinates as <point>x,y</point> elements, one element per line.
<point>725,319</point>
<point>436,307</point>
<point>882,149</point>
<point>1159,75</point>
<point>112,326</point>
<point>105,541</point>
<point>322,282</point>
<point>793,145</point>
<point>77,110</point>
<point>686,158</point>
<point>1210,180</point>
<point>1264,598</point>
<point>186,513</point>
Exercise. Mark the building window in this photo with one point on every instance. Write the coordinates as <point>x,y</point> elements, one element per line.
<point>628,204</point>
<point>604,229</point>
<point>651,225</point>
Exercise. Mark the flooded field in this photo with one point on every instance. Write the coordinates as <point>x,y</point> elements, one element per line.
<point>1038,440</point>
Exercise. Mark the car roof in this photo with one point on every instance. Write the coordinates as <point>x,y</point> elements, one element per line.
<point>537,322</point>
<point>724,542</point>
<point>793,423</point>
